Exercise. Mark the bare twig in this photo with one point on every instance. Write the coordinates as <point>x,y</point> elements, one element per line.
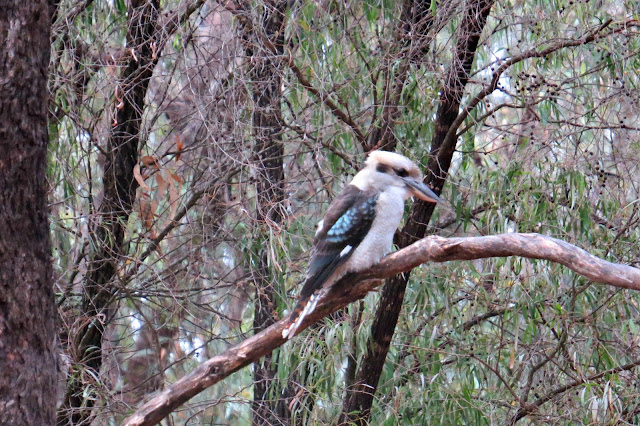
<point>591,36</point>
<point>343,116</point>
<point>324,97</point>
<point>531,408</point>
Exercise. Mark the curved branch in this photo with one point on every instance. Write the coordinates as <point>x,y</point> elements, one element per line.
<point>532,246</point>
<point>355,286</point>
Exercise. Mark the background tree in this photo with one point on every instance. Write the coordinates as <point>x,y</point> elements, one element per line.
<point>195,145</point>
<point>28,353</point>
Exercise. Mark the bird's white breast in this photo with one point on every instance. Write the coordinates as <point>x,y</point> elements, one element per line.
<point>379,239</point>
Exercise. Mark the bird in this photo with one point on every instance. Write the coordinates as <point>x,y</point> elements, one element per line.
<point>357,229</point>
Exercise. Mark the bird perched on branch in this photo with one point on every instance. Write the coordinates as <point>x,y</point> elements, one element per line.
<point>357,230</point>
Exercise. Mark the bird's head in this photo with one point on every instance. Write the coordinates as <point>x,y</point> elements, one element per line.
<point>387,169</point>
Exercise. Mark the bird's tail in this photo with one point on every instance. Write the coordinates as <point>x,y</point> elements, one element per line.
<point>303,308</point>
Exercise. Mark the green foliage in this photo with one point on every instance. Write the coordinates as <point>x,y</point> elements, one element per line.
<point>554,150</point>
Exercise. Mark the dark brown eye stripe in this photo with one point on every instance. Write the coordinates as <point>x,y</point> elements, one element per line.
<point>382,168</point>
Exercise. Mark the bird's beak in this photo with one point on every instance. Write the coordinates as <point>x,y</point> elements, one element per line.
<point>422,191</point>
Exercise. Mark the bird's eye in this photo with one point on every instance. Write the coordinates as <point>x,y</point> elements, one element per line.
<point>402,173</point>
<point>382,168</point>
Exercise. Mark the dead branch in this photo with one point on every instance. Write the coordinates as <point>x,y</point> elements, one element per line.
<point>355,286</point>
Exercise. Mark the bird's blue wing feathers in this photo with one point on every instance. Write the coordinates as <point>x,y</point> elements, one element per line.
<point>346,223</point>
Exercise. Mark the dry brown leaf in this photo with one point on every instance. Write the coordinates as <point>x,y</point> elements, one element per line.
<point>173,200</point>
<point>179,147</point>
<point>146,216</point>
<point>152,214</point>
<point>149,161</point>
<point>154,207</point>
<point>176,178</point>
<point>120,103</point>
<point>138,176</point>
<point>162,186</point>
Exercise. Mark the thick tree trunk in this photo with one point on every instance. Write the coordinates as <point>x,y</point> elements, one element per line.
<point>119,194</point>
<point>359,397</point>
<point>28,363</point>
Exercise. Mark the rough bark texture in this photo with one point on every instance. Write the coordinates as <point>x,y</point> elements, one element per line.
<point>28,363</point>
<point>355,286</point>
<point>119,194</point>
<point>267,129</point>
<point>359,398</point>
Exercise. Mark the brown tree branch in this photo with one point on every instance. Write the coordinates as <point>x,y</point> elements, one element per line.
<point>119,188</point>
<point>265,74</point>
<point>355,286</point>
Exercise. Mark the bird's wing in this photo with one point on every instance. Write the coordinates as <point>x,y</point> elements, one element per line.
<point>344,226</point>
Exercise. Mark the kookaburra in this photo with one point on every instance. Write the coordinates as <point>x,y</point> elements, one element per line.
<point>357,230</point>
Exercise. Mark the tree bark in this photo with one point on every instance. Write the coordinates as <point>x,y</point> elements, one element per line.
<point>359,396</point>
<point>28,360</point>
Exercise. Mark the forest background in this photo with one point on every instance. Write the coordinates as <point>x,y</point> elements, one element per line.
<point>187,149</point>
